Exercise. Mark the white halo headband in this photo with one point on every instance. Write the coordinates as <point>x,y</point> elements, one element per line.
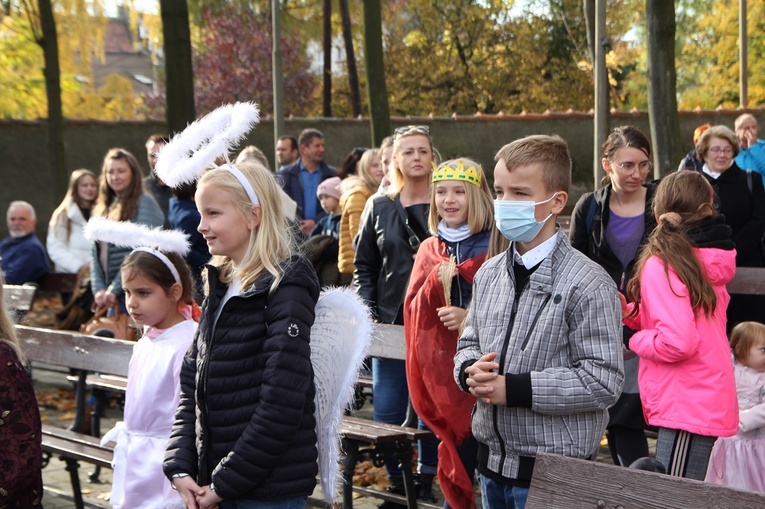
<point>243,181</point>
<point>195,150</point>
<point>140,238</point>
<point>164,259</point>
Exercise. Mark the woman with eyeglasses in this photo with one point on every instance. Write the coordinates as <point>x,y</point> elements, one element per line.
<point>121,197</point>
<point>388,241</point>
<point>739,196</point>
<point>610,226</point>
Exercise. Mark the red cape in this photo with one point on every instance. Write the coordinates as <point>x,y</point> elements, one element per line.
<point>430,349</point>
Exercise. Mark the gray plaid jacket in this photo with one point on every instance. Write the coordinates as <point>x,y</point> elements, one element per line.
<point>566,333</point>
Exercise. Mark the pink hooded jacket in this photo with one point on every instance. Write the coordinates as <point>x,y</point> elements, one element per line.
<point>686,375</point>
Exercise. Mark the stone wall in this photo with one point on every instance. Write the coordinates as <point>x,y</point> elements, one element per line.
<point>25,172</point>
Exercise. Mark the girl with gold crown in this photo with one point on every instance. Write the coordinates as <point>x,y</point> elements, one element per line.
<point>461,220</point>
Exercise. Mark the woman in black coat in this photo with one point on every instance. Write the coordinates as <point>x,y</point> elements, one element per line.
<point>740,197</point>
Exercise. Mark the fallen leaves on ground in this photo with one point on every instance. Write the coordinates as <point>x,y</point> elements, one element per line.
<point>57,398</point>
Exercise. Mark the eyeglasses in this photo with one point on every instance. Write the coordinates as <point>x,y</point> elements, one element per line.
<point>406,129</point>
<point>628,168</point>
<point>724,150</point>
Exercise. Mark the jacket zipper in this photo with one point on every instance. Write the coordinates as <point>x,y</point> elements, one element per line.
<point>623,281</point>
<point>536,319</point>
<point>495,410</point>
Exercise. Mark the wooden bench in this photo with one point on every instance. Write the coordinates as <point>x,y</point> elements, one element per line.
<point>562,483</point>
<point>54,282</point>
<point>84,354</point>
<point>18,299</point>
<point>362,438</point>
<point>110,358</point>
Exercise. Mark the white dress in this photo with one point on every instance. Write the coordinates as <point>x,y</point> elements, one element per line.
<point>738,461</point>
<point>153,393</point>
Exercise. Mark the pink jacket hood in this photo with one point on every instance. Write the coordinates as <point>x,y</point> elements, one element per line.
<point>686,375</point>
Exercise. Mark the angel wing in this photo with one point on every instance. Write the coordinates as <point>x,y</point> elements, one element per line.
<point>340,339</point>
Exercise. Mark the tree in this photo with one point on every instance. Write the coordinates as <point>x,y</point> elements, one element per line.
<point>179,73</point>
<point>662,98</point>
<point>353,76</point>
<point>327,50</point>
<point>48,40</point>
<point>707,69</point>
<point>377,92</point>
<point>230,66</point>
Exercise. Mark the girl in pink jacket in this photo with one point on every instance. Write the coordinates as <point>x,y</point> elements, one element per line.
<point>686,375</point>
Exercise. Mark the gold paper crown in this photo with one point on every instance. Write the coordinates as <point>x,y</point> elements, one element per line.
<point>472,174</point>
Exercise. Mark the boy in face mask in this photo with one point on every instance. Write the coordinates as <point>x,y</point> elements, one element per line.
<point>541,348</point>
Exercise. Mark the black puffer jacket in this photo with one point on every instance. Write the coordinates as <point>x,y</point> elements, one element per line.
<point>384,257</point>
<point>246,416</point>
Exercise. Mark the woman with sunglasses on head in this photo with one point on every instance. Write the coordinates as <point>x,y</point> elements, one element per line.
<point>740,198</point>
<point>610,226</point>
<point>388,241</point>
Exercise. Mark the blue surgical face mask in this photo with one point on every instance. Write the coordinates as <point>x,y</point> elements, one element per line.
<point>517,220</point>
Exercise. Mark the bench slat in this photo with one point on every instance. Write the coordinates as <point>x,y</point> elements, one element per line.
<point>409,433</point>
<point>562,483</point>
<point>77,451</point>
<point>73,350</point>
<point>73,436</point>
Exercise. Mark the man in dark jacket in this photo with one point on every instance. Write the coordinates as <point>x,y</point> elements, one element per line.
<point>301,179</point>
<point>22,255</point>
<point>153,184</point>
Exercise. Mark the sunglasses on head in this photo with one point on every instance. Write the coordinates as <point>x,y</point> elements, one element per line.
<point>406,129</point>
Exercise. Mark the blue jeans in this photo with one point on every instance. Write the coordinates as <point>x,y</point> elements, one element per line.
<point>391,402</point>
<point>391,399</point>
<point>427,452</point>
<point>290,503</point>
<point>495,495</point>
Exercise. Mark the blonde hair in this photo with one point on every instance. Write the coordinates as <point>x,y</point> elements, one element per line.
<point>716,131</point>
<point>60,214</point>
<point>365,163</point>
<point>7,329</point>
<point>270,243</point>
<point>252,152</point>
<point>744,336</point>
<point>480,206</point>
<point>124,207</point>
<point>394,175</point>
<point>550,152</point>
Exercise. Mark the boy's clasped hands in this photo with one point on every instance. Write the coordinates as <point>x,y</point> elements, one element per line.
<point>484,381</point>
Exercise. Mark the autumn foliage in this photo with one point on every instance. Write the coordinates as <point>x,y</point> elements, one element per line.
<point>234,63</point>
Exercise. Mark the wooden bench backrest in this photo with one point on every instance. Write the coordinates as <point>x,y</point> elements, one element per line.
<point>560,482</point>
<point>19,297</point>
<point>74,350</point>
<point>57,282</point>
<point>388,342</point>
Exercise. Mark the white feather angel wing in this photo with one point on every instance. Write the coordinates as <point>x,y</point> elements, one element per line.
<point>340,339</point>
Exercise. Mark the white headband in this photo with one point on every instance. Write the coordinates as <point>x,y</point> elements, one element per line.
<point>164,260</point>
<point>243,180</point>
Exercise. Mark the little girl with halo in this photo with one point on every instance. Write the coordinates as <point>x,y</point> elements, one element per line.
<point>678,309</point>
<point>244,430</point>
<point>460,220</point>
<point>737,461</point>
<point>159,296</point>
